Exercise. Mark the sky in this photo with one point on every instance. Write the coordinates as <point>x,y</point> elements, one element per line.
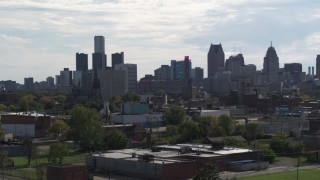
<point>38,38</point>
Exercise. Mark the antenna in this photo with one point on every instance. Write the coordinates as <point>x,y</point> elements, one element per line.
<point>271,44</point>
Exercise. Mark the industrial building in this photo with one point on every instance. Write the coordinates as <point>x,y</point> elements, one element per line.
<point>180,161</point>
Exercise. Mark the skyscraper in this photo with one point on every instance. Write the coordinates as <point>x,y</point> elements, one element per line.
<point>197,75</point>
<point>117,58</point>
<point>81,62</point>
<point>130,75</point>
<point>99,58</point>
<point>99,44</point>
<point>215,59</point>
<point>271,64</point>
<point>181,70</point>
<point>234,64</point>
<point>162,73</point>
<point>318,66</point>
<point>28,83</point>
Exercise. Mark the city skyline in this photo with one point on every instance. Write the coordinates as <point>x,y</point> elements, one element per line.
<point>40,39</point>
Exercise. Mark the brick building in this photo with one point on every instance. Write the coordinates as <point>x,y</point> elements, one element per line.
<point>33,125</point>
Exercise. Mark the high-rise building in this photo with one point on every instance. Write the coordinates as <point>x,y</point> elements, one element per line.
<point>131,75</point>
<point>99,58</point>
<point>81,62</point>
<point>117,58</point>
<point>318,66</point>
<point>28,83</point>
<point>215,59</point>
<point>181,70</point>
<point>197,75</point>
<point>271,64</point>
<point>234,64</point>
<point>113,84</point>
<point>162,73</point>
<point>293,67</point>
<point>65,77</point>
<point>99,44</point>
<point>50,82</point>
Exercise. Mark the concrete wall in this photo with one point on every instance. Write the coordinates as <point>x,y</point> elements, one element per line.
<point>125,166</point>
<point>248,167</point>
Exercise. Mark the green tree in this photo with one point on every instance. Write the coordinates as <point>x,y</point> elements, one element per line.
<point>116,140</point>
<point>115,104</point>
<point>227,123</point>
<point>28,103</point>
<point>210,172</point>
<point>3,161</point>
<point>131,97</point>
<point>205,123</point>
<point>216,131</point>
<point>3,107</point>
<point>57,152</point>
<point>252,130</point>
<point>175,115</point>
<point>188,130</point>
<point>30,149</point>
<point>59,128</point>
<point>86,127</point>
<point>267,154</point>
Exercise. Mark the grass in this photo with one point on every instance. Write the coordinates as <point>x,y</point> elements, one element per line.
<point>22,170</point>
<point>22,161</point>
<point>305,174</point>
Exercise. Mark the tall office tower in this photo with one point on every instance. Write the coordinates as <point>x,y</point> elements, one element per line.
<point>28,83</point>
<point>131,75</point>
<point>197,75</point>
<point>99,58</point>
<point>215,59</point>
<point>187,70</point>
<point>162,73</point>
<point>271,64</point>
<point>294,72</point>
<point>81,62</point>
<point>318,66</point>
<point>50,82</point>
<point>117,58</point>
<point>65,77</point>
<point>293,67</point>
<point>181,70</point>
<point>234,64</point>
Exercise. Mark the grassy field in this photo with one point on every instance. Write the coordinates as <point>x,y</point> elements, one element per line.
<point>22,170</point>
<point>78,158</point>
<point>305,174</point>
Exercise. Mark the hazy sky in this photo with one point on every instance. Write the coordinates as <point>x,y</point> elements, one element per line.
<point>38,38</point>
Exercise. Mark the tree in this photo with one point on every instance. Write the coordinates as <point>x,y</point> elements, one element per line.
<point>3,107</point>
<point>58,128</point>
<point>28,103</point>
<point>205,123</point>
<point>267,154</point>
<point>175,115</point>
<point>57,152</point>
<point>86,127</point>
<point>188,130</point>
<point>116,140</point>
<point>210,172</point>
<point>3,161</point>
<point>227,123</point>
<point>131,97</point>
<point>216,131</point>
<point>251,131</point>
<point>30,149</point>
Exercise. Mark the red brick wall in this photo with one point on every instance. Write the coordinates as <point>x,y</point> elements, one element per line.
<point>67,173</point>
